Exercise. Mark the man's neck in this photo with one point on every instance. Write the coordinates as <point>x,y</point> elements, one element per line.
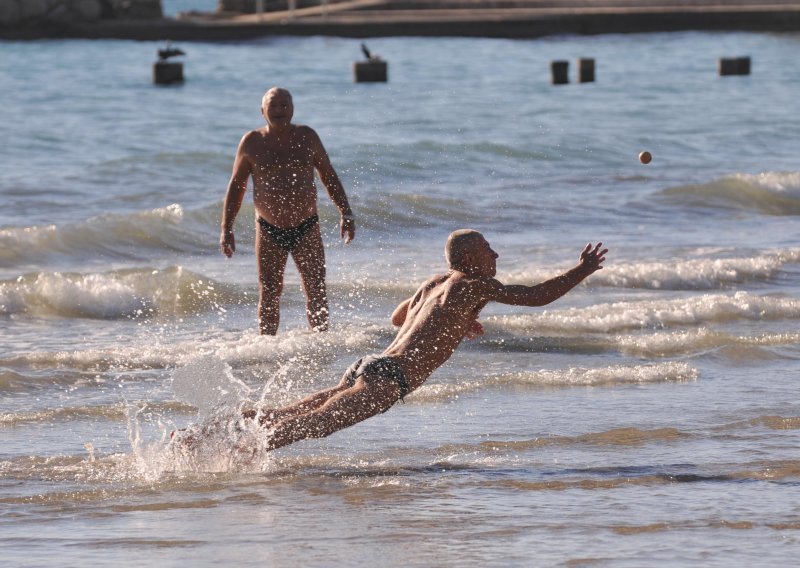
<point>278,129</point>
<point>465,272</point>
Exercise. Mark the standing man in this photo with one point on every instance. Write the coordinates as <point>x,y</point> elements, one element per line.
<point>281,158</point>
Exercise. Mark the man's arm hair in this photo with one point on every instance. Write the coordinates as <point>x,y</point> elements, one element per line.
<point>542,294</point>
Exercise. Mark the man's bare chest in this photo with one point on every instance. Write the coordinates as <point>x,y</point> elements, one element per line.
<point>291,154</point>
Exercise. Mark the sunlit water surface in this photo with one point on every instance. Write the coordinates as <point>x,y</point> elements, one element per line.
<point>649,418</point>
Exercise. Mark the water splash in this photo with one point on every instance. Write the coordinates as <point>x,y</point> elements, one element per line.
<point>220,439</point>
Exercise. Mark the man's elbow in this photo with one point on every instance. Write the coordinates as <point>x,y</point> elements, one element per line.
<point>399,316</point>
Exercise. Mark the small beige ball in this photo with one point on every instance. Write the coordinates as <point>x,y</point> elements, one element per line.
<point>645,157</point>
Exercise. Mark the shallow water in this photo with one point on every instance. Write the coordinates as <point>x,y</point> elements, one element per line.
<point>648,418</point>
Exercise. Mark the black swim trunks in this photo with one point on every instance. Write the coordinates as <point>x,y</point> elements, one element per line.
<point>288,238</point>
<point>385,367</point>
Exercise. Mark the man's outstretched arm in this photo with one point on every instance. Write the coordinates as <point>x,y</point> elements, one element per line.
<point>591,261</point>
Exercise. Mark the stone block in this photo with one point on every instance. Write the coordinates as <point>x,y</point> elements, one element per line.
<point>373,71</point>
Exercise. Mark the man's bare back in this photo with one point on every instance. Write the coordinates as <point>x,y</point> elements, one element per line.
<point>433,322</point>
<point>445,309</point>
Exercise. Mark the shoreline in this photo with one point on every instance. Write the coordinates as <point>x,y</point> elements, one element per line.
<point>343,20</point>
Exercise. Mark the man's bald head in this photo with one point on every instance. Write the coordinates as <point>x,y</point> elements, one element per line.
<point>273,92</point>
<point>459,243</point>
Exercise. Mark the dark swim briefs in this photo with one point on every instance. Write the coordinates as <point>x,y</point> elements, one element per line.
<point>384,367</point>
<point>288,238</point>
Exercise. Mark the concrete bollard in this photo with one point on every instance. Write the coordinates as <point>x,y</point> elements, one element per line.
<point>743,63</point>
<point>585,70</point>
<point>372,71</point>
<point>167,73</point>
<point>733,66</point>
<point>727,66</point>
<point>559,71</point>
<point>164,71</point>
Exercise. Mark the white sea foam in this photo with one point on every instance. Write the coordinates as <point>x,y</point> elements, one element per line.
<point>688,342</point>
<point>783,183</point>
<point>134,293</point>
<point>694,274</point>
<point>571,377</point>
<point>655,314</point>
<point>301,354</point>
<point>705,273</point>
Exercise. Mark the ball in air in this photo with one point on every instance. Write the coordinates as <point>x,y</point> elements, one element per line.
<point>645,157</point>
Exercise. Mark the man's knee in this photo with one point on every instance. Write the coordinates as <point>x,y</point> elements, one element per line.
<point>270,291</point>
<point>313,277</point>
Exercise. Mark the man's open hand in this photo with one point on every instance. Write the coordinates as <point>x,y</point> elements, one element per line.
<point>592,258</point>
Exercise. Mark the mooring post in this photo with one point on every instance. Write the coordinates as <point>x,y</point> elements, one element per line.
<point>559,71</point>
<point>585,70</point>
<point>373,70</point>
<point>733,66</point>
<point>166,72</point>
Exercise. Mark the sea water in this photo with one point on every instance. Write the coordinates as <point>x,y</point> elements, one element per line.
<point>648,418</point>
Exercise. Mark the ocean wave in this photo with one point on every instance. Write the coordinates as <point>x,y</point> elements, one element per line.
<point>133,293</point>
<point>255,356</point>
<point>610,479</point>
<point>707,273</point>
<point>561,378</point>
<point>175,230</point>
<point>111,236</point>
<point>690,342</point>
<point>654,314</point>
<point>627,436</point>
<point>30,377</point>
<point>97,479</point>
<point>769,421</point>
<point>769,193</point>
<point>110,412</point>
<point>641,343</point>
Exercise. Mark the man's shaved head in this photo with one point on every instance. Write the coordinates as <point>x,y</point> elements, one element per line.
<point>274,91</point>
<point>458,244</point>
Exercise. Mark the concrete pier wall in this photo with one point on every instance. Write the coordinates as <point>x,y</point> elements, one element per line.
<point>16,13</point>
<point>143,20</point>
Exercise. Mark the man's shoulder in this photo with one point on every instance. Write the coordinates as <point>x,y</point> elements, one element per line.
<point>477,287</point>
<point>255,135</point>
<point>305,130</point>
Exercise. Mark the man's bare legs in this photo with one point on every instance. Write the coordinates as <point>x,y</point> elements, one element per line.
<point>370,395</point>
<point>271,267</point>
<point>309,257</point>
<point>270,417</point>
